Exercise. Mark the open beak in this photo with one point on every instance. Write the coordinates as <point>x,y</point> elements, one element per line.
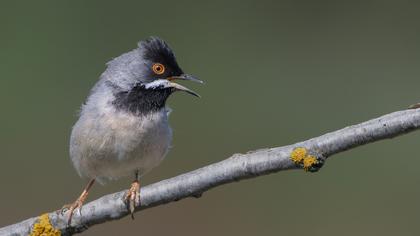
<point>182,88</point>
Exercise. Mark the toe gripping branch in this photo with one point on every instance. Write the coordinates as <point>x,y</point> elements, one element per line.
<point>309,160</point>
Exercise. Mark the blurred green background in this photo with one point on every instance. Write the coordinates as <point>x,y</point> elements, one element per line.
<point>276,72</point>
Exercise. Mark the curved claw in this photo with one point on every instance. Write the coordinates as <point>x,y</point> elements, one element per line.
<point>132,198</point>
<point>77,204</point>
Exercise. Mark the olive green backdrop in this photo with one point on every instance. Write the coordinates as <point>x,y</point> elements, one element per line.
<point>276,72</point>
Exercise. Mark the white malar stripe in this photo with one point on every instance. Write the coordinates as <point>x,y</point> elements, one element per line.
<point>157,83</point>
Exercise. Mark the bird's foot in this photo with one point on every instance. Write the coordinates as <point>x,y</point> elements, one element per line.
<point>132,198</point>
<point>75,205</point>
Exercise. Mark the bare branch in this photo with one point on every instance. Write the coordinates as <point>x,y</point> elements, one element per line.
<point>237,167</point>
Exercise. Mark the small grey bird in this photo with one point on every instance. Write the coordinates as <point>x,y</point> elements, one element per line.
<point>123,127</point>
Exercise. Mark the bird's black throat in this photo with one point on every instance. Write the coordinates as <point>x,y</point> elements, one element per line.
<point>141,101</point>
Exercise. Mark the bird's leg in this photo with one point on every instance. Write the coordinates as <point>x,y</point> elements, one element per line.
<point>132,198</point>
<point>78,203</point>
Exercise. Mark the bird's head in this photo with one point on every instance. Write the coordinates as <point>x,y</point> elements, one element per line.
<point>144,78</point>
<point>161,67</point>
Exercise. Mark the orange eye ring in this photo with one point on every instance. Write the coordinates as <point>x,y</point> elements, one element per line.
<point>158,68</point>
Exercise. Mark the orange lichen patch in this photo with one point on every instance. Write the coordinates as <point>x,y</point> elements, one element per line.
<point>44,228</point>
<point>308,162</point>
<point>298,155</point>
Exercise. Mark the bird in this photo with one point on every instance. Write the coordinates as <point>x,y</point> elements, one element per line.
<point>123,126</point>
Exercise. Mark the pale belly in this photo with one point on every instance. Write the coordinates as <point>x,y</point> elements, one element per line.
<point>107,147</point>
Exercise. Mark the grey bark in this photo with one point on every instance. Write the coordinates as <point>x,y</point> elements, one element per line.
<point>235,168</point>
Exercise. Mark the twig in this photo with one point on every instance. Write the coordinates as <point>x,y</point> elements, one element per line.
<point>309,154</point>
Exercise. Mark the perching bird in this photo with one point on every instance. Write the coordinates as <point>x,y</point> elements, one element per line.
<point>123,127</point>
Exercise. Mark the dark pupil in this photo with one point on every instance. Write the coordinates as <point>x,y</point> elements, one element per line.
<point>158,68</point>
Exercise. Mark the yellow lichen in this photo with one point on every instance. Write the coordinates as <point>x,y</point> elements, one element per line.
<point>308,162</point>
<point>44,228</point>
<point>298,154</point>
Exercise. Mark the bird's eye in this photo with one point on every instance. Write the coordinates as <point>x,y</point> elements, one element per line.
<point>158,68</point>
